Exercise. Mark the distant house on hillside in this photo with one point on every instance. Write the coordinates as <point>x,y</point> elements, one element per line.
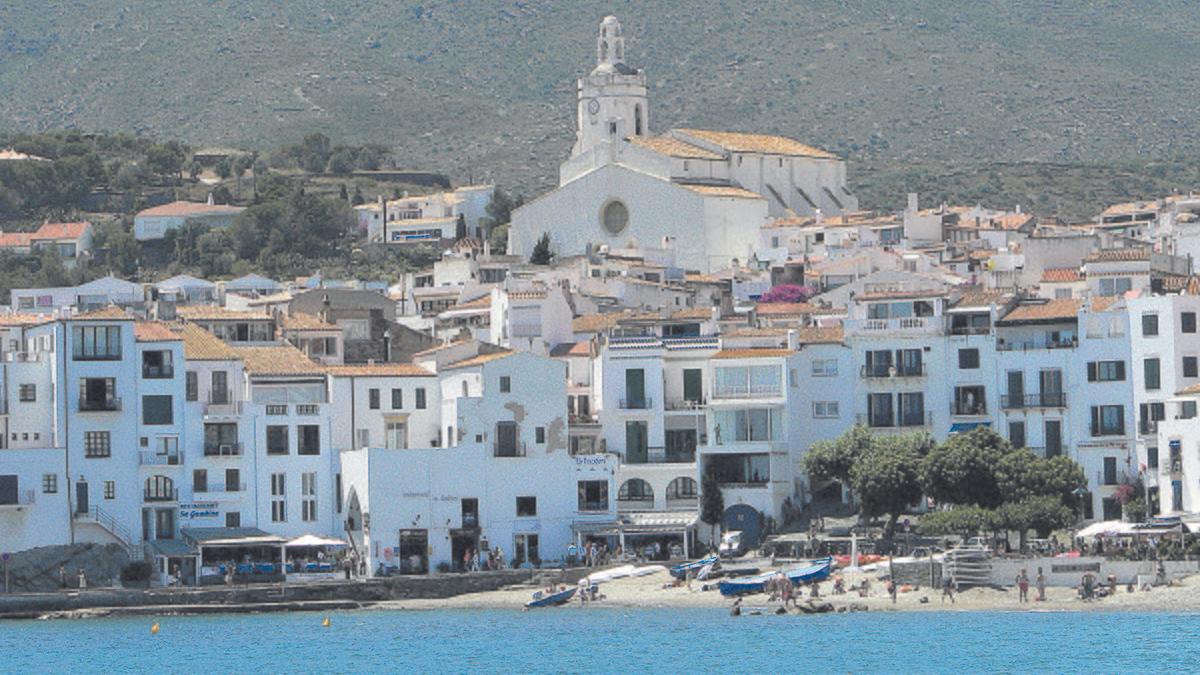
<point>69,240</point>
<point>154,223</point>
<point>85,297</point>
<point>426,217</point>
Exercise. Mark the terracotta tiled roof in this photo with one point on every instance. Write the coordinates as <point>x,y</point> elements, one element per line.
<point>1188,391</point>
<point>786,308</point>
<point>110,313</point>
<point>790,221</point>
<point>201,345</point>
<point>700,313</point>
<point>434,350</point>
<point>304,321</point>
<point>747,331</point>
<point>572,349</point>
<point>277,360</point>
<point>594,323</point>
<point>752,353</point>
<point>901,294</point>
<point>1119,255</point>
<point>527,295</point>
<point>1061,275</point>
<point>673,147</point>
<point>735,141</point>
<point>182,208</point>
<point>379,370</point>
<point>822,335</point>
<point>722,191</point>
<point>214,313</point>
<point>982,298</point>
<point>154,331</point>
<point>482,302</point>
<point>24,319</point>
<point>1103,304</point>
<point>1062,309</point>
<point>479,360</point>
<point>61,230</point>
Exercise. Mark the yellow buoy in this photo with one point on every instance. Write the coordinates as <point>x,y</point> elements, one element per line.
<point>154,628</point>
<point>327,623</point>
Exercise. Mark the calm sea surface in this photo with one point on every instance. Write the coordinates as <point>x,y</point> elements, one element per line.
<point>608,640</point>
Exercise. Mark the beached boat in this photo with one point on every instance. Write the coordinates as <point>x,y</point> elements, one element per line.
<point>818,570</point>
<point>552,599</point>
<point>680,571</point>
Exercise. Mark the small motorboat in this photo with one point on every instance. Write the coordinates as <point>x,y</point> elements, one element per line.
<point>541,599</point>
<point>817,570</point>
<point>681,570</point>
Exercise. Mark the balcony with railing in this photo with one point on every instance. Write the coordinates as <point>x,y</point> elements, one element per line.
<point>99,404</point>
<point>1037,344</point>
<point>894,422</point>
<point>209,489</point>
<point>155,458</point>
<point>683,405</point>
<point>642,403</point>
<point>1043,400</point>
<point>888,370</point>
<point>966,408</point>
<point>508,449</point>
<point>161,495</point>
<point>222,449</point>
<point>220,403</point>
<point>1148,427</point>
<point>748,391</point>
<point>904,323</point>
<point>158,371</point>
<point>20,500</point>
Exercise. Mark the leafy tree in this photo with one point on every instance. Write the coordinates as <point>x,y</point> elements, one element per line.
<point>962,469</point>
<point>314,153</point>
<point>499,239</point>
<point>1042,514</point>
<point>341,161</point>
<point>194,169</point>
<point>500,208</point>
<point>965,521</point>
<point>887,479</point>
<point>357,198</point>
<point>240,165</point>
<point>712,502</point>
<point>224,168</point>
<point>1021,475</point>
<point>833,459</point>
<point>222,195</point>
<point>52,272</point>
<point>542,255</point>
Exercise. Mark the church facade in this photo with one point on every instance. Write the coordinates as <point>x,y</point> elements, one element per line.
<point>704,194</point>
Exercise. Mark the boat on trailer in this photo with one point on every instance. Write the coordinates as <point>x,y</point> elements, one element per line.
<point>817,570</point>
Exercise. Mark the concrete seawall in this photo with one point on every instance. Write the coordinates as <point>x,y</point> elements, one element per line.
<point>276,597</point>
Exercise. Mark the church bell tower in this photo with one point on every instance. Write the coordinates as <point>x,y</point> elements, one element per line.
<point>611,100</point>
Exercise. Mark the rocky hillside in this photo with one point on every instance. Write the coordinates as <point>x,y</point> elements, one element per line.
<point>484,88</point>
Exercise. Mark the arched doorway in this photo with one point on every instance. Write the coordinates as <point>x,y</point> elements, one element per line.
<point>745,519</point>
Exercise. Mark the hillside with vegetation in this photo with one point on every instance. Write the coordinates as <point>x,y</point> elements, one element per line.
<point>970,100</point>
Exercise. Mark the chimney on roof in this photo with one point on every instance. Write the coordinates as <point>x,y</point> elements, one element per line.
<point>716,313</point>
<point>1018,208</point>
<point>210,201</point>
<point>793,339</point>
<point>817,216</point>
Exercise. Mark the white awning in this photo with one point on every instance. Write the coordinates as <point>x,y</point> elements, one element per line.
<point>314,540</point>
<point>1108,528</point>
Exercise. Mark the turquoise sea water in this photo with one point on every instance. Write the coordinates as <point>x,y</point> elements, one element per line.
<point>605,640</point>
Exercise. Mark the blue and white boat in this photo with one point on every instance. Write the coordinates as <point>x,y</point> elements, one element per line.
<point>817,570</point>
<point>541,599</point>
<point>681,570</point>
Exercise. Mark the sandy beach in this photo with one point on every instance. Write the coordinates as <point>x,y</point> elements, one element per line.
<point>650,591</point>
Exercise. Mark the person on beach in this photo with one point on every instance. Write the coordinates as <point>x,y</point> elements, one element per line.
<point>62,576</point>
<point>815,591</point>
<point>736,610</point>
<point>82,580</point>
<point>1023,587</point>
<point>947,589</point>
<point>839,585</point>
<point>1041,586</point>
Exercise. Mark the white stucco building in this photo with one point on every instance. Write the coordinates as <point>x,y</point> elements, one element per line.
<point>703,193</point>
